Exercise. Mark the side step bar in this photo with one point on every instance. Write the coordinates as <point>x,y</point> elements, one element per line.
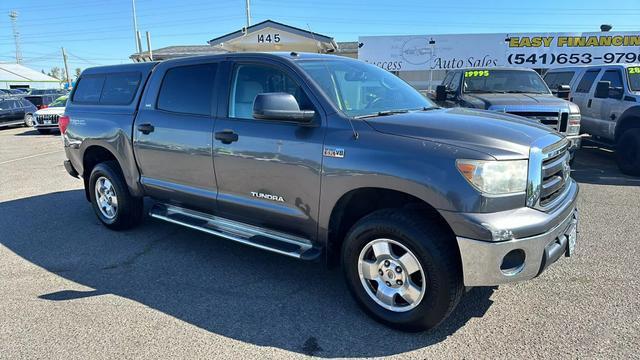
<point>261,238</point>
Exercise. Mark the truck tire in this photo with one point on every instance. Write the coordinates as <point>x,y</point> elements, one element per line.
<point>110,197</point>
<point>403,269</point>
<point>628,152</point>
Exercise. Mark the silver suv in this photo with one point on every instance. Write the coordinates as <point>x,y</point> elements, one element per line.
<point>609,100</point>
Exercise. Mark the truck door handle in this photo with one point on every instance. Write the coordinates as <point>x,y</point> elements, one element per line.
<point>146,128</point>
<point>589,103</point>
<point>226,136</point>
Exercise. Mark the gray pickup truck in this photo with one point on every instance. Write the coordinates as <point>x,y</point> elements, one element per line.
<point>322,157</point>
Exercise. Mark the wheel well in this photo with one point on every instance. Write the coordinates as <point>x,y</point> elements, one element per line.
<point>93,156</point>
<point>358,203</point>
<point>629,122</point>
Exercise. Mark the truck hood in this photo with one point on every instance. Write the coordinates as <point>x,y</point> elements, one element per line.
<point>495,101</point>
<point>499,135</point>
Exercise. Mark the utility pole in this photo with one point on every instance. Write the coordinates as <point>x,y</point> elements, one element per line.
<point>13,15</point>
<point>248,14</point>
<point>149,46</point>
<point>139,41</point>
<point>135,27</point>
<point>66,68</point>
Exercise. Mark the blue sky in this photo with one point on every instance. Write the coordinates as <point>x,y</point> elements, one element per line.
<point>100,32</point>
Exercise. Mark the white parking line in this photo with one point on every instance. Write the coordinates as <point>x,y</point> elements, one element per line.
<point>29,157</point>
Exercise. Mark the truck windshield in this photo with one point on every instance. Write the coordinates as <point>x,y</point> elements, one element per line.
<point>503,81</point>
<point>634,78</point>
<point>359,89</point>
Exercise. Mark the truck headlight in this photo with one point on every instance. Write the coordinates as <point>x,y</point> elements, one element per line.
<point>495,177</point>
<point>573,127</point>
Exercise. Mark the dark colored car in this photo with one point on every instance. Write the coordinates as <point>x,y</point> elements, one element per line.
<point>58,92</point>
<point>41,101</point>
<point>323,157</point>
<point>16,111</point>
<point>11,92</point>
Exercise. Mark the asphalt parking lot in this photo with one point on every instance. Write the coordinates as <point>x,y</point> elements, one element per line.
<point>71,288</point>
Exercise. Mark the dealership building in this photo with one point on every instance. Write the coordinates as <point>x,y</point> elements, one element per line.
<point>14,76</point>
<point>423,60</point>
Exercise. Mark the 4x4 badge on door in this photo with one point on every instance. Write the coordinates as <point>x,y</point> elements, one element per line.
<point>333,152</point>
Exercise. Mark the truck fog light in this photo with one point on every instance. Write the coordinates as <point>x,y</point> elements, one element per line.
<point>513,262</point>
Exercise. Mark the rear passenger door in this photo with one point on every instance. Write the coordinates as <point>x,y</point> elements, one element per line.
<point>173,134</point>
<point>269,175</point>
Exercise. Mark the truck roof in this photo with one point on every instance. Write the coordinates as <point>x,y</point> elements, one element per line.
<point>578,67</point>
<point>148,66</point>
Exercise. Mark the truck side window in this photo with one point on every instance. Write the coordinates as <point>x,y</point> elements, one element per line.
<point>187,89</point>
<point>615,77</point>
<point>455,82</point>
<point>587,80</point>
<point>447,80</point>
<point>119,89</point>
<point>556,79</point>
<point>251,80</point>
<point>89,89</point>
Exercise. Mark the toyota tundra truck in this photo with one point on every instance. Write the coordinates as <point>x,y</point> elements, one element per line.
<point>321,157</point>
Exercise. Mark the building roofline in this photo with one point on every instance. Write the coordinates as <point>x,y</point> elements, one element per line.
<point>264,24</point>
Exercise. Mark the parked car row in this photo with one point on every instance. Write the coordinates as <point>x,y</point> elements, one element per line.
<point>43,117</point>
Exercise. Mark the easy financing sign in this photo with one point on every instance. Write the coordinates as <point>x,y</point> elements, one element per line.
<point>532,50</point>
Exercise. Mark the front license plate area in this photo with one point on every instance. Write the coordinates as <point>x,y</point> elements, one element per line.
<point>572,237</point>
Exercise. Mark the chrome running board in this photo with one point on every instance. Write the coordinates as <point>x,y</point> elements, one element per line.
<point>258,237</point>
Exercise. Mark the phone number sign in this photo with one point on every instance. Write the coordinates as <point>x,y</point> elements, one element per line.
<point>552,49</point>
<point>533,50</point>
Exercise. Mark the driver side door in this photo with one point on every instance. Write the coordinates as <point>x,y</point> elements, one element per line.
<point>267,171</point>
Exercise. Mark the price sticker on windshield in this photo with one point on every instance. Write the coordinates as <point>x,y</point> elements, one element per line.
<point>634,70</point>
<point>476,73</point>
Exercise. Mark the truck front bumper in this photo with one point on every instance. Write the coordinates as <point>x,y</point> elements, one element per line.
<point>487,263</point>
<point>514,245</point>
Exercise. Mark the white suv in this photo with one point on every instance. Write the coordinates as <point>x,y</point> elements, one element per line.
<point>609,101</point>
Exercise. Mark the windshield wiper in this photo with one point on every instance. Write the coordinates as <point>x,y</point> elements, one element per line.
<point>523,92</point>
<point>382,113</point>
<point>483,92</point>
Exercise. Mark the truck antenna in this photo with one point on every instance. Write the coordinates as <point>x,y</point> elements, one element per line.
<point>355,133</point>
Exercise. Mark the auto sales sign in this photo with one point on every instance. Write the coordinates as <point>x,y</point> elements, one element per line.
<point>533,50</point>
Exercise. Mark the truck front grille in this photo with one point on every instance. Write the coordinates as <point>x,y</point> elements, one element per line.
<point>40,119</point>
<point>555,120</point>
<point>549,172</point>
<point>555,173</point>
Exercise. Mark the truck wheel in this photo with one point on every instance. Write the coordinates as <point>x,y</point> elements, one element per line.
<point>403,269</point>
<point>110,197</point>
<point>628,152</point>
